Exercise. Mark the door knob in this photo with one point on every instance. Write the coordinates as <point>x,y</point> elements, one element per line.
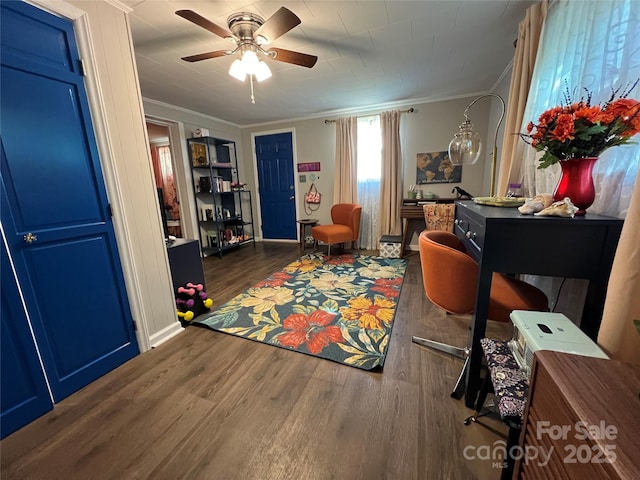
<point>291,197</point>
<point>30,237</point>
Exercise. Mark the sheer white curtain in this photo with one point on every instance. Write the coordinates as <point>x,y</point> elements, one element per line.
<point>369,172</point>
<point>593,45</point>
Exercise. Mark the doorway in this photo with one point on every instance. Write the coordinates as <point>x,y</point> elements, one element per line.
<point>276,186</point>
<point>163,173</point>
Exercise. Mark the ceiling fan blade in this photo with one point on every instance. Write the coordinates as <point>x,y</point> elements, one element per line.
<point>297,58</point>
<point>205,56</point>
<point>277,25</point>
<point>204,23</point>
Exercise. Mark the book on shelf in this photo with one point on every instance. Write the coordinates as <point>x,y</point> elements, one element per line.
<point>217,184</point>
<point>206,214</point>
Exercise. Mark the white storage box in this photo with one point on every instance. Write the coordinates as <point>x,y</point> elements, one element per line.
<point>200,132</point>
<point>390,246</point>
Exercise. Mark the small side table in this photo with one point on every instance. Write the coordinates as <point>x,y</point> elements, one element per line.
<point>304,223</point>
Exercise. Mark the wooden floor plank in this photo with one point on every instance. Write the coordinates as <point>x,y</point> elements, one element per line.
<point>207,405</point>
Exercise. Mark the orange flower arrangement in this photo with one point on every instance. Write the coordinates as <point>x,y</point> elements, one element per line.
<point>580,130</point>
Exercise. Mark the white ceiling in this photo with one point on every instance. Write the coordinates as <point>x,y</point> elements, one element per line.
<point>370,53</point>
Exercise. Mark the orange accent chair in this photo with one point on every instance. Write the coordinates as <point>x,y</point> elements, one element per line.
<point>345,226</point>
<point>450,278</point>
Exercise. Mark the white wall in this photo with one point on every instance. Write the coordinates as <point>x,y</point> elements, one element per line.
<point>104,42</point>
<point>314,141</point>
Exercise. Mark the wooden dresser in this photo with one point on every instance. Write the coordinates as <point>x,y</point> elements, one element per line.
<point>584,411</point>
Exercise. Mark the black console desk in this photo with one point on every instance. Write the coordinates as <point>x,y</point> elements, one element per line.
<point>503,240</point>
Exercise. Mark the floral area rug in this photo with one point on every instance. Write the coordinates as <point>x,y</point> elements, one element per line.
<point>340,308</point>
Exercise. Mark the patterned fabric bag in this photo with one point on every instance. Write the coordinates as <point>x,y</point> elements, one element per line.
<point>313,195</point>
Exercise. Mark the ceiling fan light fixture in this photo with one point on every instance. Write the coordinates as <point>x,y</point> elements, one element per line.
<point>262,71</point>
<point>237,70</point>
<point>250,62</point>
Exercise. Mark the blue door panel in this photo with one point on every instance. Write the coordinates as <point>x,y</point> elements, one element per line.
<point>24,395</point>
<point>47,42</point>
<point>274,154</point>
<point>53,194</point>
<point>39,171</point>
<point>83,289</point>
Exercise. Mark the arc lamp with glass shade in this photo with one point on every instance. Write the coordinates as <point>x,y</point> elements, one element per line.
<point>465,147</point>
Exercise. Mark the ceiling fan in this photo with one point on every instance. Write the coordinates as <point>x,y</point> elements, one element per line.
<point>251,33</point>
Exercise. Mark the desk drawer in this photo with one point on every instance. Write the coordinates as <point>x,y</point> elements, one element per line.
<point>470,231</point>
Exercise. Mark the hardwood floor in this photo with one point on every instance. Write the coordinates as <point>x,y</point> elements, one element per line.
<point>206,405</point>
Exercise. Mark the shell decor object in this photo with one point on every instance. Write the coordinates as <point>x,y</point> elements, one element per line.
<point>563,208</point>
<point>536,204</point>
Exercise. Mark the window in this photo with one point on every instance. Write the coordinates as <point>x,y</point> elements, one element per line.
<point>369,171</point>
<point>593,45</point>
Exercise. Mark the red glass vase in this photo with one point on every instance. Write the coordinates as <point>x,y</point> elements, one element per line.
<point>576,182</point>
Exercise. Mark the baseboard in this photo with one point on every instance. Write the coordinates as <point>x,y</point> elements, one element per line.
<point>165,334</point>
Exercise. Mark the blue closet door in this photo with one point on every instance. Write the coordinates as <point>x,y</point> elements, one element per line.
<point>54,207</point>
<point>24,395</point>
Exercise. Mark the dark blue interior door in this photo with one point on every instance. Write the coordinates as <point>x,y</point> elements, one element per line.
<point>274,155</point>
<point>54,207</point>
<point>24,395</point>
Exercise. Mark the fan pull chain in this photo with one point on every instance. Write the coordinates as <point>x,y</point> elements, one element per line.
<point>253,99</point>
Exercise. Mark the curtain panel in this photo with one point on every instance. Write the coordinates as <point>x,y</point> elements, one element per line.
<point>391,181</point>
<point>529,31</point>
<point>345,186</point>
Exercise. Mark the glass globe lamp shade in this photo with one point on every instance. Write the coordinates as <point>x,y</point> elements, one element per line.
<point>465,147</point>
<point>262,71</point>
<point>250,62</point>
<point>237,70</point>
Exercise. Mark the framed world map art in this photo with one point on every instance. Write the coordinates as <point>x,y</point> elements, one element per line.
<point>435,167</point>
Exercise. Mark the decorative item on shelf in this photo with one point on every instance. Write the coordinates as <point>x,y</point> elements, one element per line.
<point>536,204</point>
<point>465,147</point>
<point>199,155</point>
<point>576,133</point>
<point>462,194</point>
<point>205,184</point>
<point>237,186</point>
<point>515,190</point>
<point>200,132</point>
<point>500,201</point>
<point>561,208</point>
<point>576,183</point>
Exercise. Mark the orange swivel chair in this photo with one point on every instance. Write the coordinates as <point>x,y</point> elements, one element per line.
<point>450,278</point>
<point>345,226</point>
